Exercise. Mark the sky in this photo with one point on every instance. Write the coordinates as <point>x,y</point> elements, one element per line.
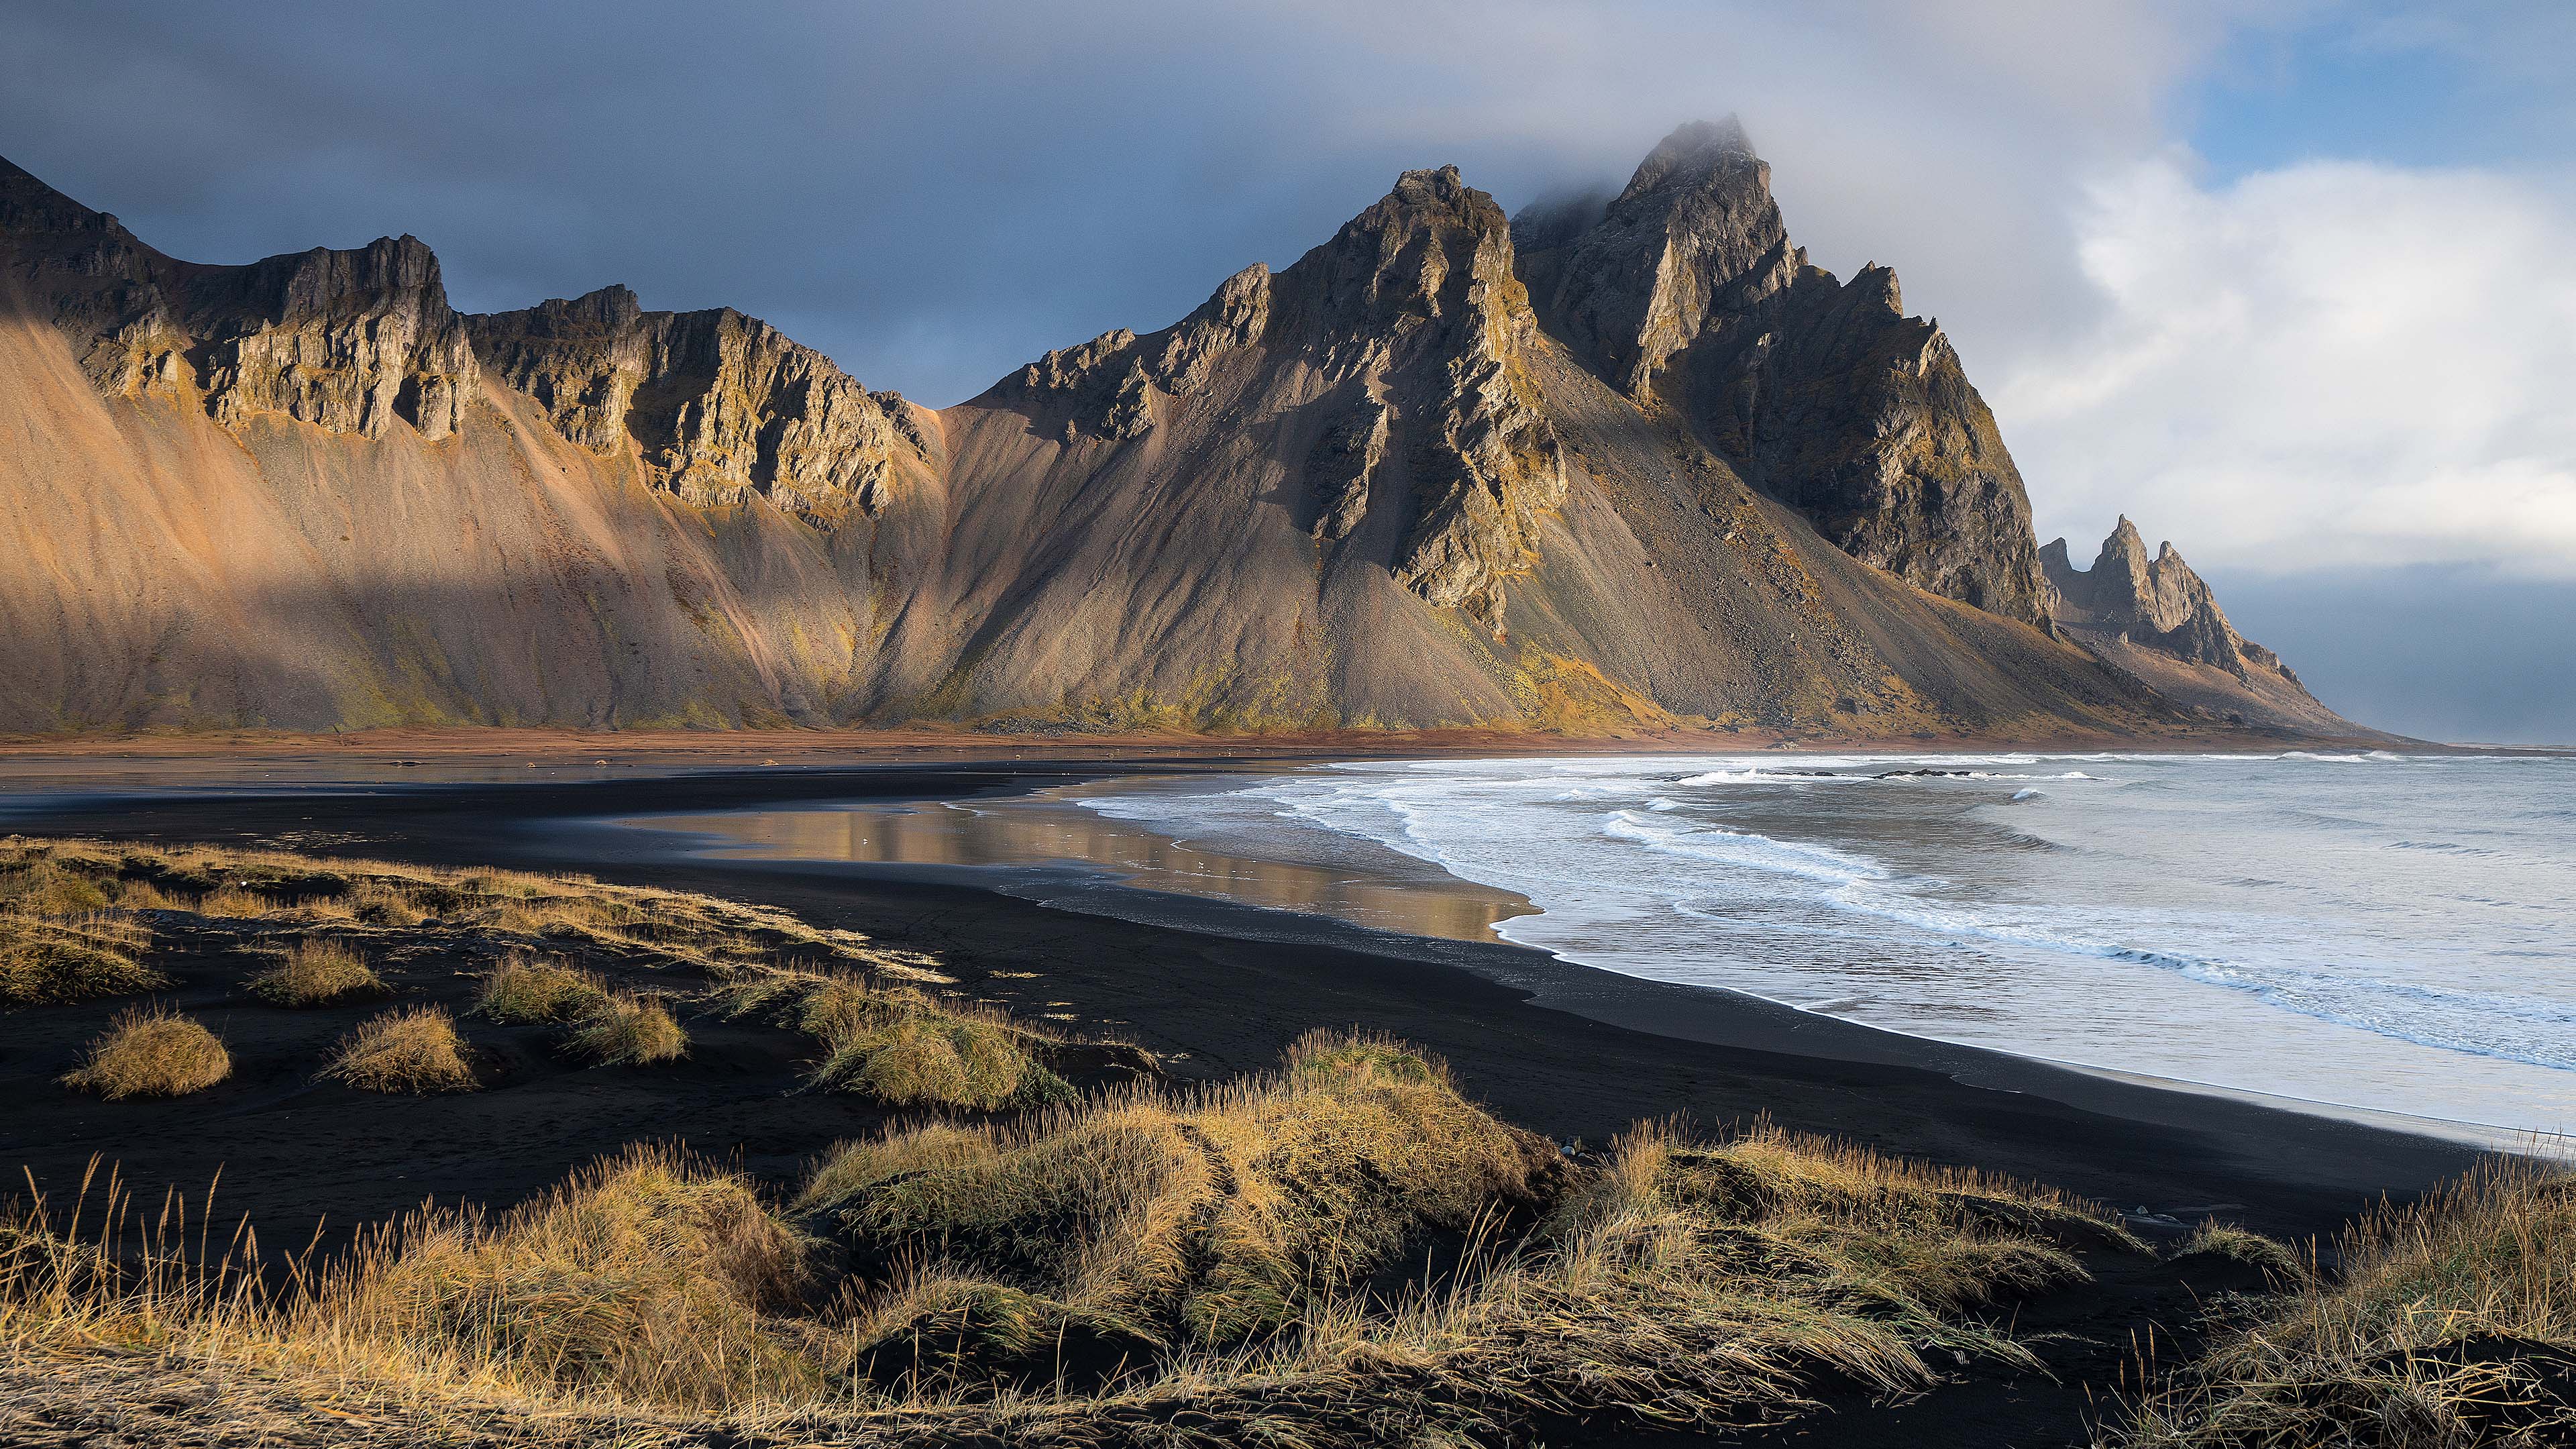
<point>2291,283</point>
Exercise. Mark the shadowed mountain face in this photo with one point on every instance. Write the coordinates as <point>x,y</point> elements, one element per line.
<point>1693,481</point>
<point>1685,293</point>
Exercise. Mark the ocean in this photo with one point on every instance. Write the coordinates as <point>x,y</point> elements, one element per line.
<point>2388,932</point>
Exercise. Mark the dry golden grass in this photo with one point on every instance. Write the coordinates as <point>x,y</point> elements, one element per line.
<point>1212,1217</point>
<point>152,1052</point>
<point>143,895</point>
<point>411,1052</point>
<point>1192,1269</point>
<point>2276,1260</point>
<point>318,973</point>
<point>902,1047</point>
<point>45,887</point>
<point>524,991</point>
<point>54,961</point>
<point>656,927</point>
<point>648,1277</point>
<point>2452,1326</point>
<point>628,1030</point>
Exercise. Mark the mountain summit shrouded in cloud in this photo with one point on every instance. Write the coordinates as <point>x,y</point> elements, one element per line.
<point>1652,469</point>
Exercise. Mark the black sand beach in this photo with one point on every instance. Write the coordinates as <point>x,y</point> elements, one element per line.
<point>1217,990</point>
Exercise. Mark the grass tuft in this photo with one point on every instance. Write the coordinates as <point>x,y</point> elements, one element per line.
<point>318,973</point>
<point>412,1052</point>
<point>2273,1258</point>
<point>627,1030</point>
<point>526,991</point>
<point>51,962</point>
<point>647,1277</point>
<point>152,1052</point>
<point>2453,1324</point>
<point>901,1047</point>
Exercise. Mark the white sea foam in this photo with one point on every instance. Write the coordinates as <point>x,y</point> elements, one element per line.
<point>2293,956</point>
<point>1744,850</point>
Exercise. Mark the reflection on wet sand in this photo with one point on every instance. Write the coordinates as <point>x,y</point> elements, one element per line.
<point>1038,831</point>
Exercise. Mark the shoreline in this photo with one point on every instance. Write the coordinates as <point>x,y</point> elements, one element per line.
<point>1133,881</point>
<point>501,745</point>
<point>1568,1049</point>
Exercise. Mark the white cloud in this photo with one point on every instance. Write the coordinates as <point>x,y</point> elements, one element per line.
<point>2326,365</point>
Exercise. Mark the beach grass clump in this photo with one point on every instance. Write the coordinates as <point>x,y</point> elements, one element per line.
<point>46,885</point>
<point>1208,1218</point>
<point>899,1046</point>
<point>55,961</point>
<point>152,1052</point>
<point>525,990</point>
<point>650,1278</point>
<point>318,972</point>
<point>411,1052</point>
<point>143,895</point>
<point>628,1030</point>
<point>2451,1323</point>
<point>2277,1261</point>
<point>1251,1227</point>
<point>1945,1236</point>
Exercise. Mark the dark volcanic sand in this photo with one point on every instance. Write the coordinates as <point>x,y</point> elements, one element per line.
<point>1569,1051</point>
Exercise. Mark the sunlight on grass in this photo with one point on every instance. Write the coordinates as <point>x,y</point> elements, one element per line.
<point>152,1052</point>
<point>412,1052</point>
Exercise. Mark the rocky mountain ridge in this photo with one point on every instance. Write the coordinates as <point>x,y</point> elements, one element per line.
<point>1686,293</point>
<point>1639,469</point>
<point>719,405</point>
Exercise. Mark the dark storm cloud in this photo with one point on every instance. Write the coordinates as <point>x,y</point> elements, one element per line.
<point>933,193</point>
<point>821,166</point>
<point>2438,652</point>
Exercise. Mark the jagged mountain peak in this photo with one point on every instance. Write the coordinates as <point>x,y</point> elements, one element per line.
<point>1688,296</point>
<point>2157,619</point>
<point>1411,255</point>
<point>1694,153</point>
<point>2157,603</point>
<point>1695,230</point>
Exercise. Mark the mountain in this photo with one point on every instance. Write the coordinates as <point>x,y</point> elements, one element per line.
<point>2157,620</point>
<point>1686,294</point>
<point>1609,467</point>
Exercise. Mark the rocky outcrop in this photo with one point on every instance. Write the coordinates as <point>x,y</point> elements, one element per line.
<point>719,406</point>
<point>350,341</point>
<point>2158,603</point>
<point>1415,303</point>
<point>2156,621</point>
<point>1108,386</point>
<point>1694,240</point>
<point>1413,314</point>
<point>1344,462</point>
<point>347,340</point>
<point>1686,294</point>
